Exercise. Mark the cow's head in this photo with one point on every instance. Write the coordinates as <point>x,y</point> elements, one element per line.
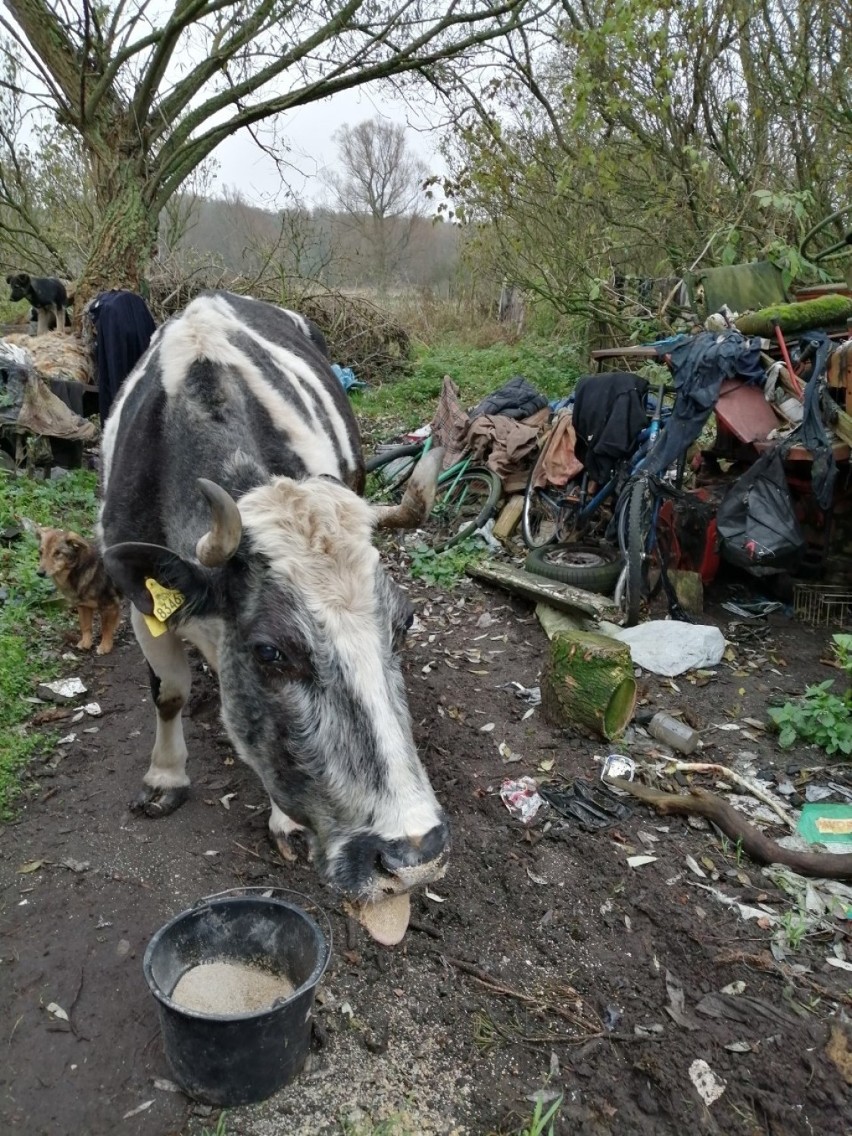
<point>311,687</point>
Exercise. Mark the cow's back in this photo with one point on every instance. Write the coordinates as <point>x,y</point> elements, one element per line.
<point>234,390</point>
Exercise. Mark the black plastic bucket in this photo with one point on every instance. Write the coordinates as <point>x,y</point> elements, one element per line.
<point>235,1059</point>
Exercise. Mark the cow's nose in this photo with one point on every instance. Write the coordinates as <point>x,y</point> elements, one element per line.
<point>397,857</point>
<point>41,572</point>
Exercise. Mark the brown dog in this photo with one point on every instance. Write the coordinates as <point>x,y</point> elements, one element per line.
<point>76,568</point>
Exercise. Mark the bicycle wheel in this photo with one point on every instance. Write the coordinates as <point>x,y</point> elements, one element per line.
<point>539,518</point>
<point>638,546</point>
<point>464,502</point>
<point>389,470</point>
<point>595,567</point>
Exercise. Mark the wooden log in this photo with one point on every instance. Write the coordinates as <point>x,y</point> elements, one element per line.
<point>509,518</point>
<point>588,681</point>
<point>538,589</point>
<point>553,621</point>
<point>689,591</point>
<point>698,802</point>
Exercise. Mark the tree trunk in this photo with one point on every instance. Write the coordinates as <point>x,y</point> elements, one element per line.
<point>588,681</point>
<point>122,244</point>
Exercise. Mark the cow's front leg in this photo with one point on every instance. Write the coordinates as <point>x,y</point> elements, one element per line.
<point>282,830</point>
<point>166,782</point>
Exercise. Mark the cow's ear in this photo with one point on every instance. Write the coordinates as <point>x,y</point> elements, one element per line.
<point>158,582</point>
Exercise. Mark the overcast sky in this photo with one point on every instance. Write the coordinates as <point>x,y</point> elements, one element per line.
<point>308,132</point>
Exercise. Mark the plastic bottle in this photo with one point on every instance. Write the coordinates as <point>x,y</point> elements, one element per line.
<point>673,732</point>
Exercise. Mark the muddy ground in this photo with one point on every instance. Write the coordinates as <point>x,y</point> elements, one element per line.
<point>544,966</point>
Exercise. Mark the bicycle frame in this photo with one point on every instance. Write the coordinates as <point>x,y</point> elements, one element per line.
<point>644,444</point>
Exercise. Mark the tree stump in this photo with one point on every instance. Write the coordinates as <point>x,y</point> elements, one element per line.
<point>689,591</point>
<point>588,681</point>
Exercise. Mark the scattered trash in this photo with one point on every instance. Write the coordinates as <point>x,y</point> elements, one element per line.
<point>487,728</point>
<point>530,694</point>
<point>827,823</point>
<point>738,1047</point>
<point>225,801</point>
<point>62,690</point>
<point>593,806</point>
<point>673,732</point>
<point>508,754</point>
<point>640,861</point>
<point>815,793</point>
<point>757,610</point>
<point>708,1086</point>
<point>734,987</point>
<point>93,709</point>
<point>67,740</point>
<point>434,896</point>
<point>56,1010</point>
<point>668,647</point>
<point>618,765</point>
<point>521,798</point>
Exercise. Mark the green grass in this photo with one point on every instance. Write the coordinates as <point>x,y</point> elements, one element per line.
<point>31,619</point>
<point>411,401</point>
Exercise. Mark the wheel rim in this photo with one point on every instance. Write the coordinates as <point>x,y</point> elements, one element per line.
<point>458,508</point>
<point>578,558</point>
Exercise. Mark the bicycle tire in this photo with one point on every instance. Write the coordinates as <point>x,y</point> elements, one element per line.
<point>635,551</point>
<point>464,503</point>
<point>377,461</point>
<point>594,567</point>
<point>389,490</point>
<point>538,510</point>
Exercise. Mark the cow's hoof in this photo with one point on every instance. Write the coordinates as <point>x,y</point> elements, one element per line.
<point>159,802</point>
<point>291,848</point>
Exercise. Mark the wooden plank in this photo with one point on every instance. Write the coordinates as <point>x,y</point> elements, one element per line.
<point>538,589</point>
<point>509,517</point>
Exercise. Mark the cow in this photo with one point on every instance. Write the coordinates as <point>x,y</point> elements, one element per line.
<point>232,518</point>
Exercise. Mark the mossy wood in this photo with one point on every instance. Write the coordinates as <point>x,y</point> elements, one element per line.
<point>588,681</point>
<point>540,590</point>
<point>826,311</point>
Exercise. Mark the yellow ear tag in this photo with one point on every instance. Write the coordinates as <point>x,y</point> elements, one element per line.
<point>166,602</point>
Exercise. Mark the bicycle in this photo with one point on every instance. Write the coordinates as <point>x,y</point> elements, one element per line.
<point>466,498</point>
<point>552,520</point>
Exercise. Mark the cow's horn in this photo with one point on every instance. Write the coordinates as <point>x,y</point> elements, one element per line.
<point>220,544</point>
<point>418,499</point>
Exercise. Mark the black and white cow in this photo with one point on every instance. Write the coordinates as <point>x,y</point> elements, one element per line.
<point>232,470</point>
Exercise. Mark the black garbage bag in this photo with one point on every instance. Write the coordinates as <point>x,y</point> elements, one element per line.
<point>756,521</point>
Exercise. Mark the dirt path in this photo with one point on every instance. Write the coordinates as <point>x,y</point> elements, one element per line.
<point>571,945</point>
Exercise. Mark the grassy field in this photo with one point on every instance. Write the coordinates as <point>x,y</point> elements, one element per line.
<point>32,616</point>
<point>410,401</point>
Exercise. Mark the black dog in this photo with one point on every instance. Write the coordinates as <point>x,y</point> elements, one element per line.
<point>45,293</point>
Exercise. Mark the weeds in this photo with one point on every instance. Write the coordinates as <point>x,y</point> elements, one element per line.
<point>820,716</point>
<point>31,615</point>
<point>541,1122</point>
<point>445,569</point>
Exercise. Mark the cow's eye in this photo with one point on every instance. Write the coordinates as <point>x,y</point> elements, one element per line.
<point>267,653</point>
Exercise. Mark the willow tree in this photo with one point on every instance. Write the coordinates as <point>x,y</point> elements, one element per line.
<point>151,93</point>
